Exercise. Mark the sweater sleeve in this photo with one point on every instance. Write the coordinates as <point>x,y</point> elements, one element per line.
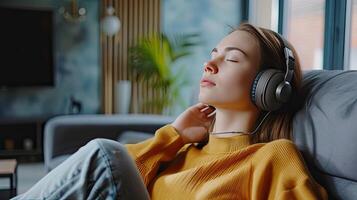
<point>281,173</point>
<point>149,154</point>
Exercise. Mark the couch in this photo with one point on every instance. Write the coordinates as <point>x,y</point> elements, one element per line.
<point>324,129</point>
<point>63,135</point>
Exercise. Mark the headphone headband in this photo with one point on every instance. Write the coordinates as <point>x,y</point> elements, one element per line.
<point>289,58</point>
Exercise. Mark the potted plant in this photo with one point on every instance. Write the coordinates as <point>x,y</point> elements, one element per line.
<point>154,57</point>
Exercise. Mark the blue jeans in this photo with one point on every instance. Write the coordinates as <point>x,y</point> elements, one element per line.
<point>102,169</point>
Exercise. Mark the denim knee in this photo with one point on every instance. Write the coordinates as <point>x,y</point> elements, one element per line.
<point>116,153</point>
<point>125,173</point>
<point>109,147</point>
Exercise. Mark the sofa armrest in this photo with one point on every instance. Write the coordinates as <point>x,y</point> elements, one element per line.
<point>66,134</point>
<point>132,137</point>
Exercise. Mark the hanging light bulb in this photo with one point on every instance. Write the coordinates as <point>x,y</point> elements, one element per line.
<point>110,23</point>
<point>74,13</point>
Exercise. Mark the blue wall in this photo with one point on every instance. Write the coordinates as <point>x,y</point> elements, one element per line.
<point>209,18</point>
<point>77,55</point>
<point>77,66</point>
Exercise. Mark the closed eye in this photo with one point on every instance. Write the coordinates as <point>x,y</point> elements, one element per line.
<point>232,60</point>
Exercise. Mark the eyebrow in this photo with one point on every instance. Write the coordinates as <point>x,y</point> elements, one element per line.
<point>230,49</point>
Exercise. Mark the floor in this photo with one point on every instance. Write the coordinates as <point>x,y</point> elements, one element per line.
<point>28,175</point>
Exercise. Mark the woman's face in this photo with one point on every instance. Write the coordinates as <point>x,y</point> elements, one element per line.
<point>232,69</point>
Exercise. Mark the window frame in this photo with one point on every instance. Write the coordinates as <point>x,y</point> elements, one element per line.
<point>348,33</point>
<point>245,10</point>
<point>335,33</point>
<point>281,17</point>
<point>334,41</point>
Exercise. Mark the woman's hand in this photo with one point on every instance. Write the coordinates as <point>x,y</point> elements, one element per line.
<point>194,122</point>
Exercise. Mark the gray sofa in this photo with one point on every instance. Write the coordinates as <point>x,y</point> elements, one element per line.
<point>63,135</point>
<point>325,131</point>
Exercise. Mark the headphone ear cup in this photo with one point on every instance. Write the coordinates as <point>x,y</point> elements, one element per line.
<point>253,90</point>
<point>265,89</point>
<point>283,92</point>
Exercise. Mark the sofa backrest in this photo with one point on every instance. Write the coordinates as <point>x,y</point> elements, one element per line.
<point>325,130</point>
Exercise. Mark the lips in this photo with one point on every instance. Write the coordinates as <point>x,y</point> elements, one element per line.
<point>207,82</point>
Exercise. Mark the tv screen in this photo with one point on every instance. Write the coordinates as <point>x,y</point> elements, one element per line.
<point>26,54</point>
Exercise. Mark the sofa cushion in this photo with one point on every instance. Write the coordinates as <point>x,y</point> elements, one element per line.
<point>325,129</point>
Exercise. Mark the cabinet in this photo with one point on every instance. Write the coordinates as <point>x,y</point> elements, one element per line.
<point>22,138</point>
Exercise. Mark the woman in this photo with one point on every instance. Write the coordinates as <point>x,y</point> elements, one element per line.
<point>232,145</point>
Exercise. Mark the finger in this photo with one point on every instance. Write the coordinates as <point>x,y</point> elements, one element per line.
<point>208,107</point>
<point>208,116</point>
<point>200,105</point>
<point>204,109</point>
<point>211,114</point>
<point>207,110</point>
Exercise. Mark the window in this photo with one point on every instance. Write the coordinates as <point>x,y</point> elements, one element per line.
<point>304,28</point>
<point>353,38</point>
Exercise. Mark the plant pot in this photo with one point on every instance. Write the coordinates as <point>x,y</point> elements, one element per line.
<point>122,96</point>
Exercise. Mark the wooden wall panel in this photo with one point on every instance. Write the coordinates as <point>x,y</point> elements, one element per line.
<point>138,18</point>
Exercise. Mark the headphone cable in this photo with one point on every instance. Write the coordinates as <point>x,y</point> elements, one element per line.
<point>245,133</point>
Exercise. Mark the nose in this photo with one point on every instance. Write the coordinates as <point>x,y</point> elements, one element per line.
<point>210,67</point>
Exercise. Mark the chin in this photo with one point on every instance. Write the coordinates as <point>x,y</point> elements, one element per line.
<point>204,99</point>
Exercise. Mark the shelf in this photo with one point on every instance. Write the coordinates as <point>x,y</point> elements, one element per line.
<point>21,136</point>
<point>19,152</point>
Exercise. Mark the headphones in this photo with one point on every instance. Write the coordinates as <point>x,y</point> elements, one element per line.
<point>271,88</point>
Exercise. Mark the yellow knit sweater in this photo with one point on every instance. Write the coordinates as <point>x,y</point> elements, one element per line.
<point>225,168</point>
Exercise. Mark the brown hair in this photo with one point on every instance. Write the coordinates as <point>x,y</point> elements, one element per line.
<point>279,123</point>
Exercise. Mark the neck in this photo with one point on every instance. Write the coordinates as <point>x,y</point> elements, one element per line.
<point>234,120</point>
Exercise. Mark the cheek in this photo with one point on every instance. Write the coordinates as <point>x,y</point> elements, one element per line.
<point>236,82</point>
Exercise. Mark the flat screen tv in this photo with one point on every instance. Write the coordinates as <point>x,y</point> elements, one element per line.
<point>26,47</point>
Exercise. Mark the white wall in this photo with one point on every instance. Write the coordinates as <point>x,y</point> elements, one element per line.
<point>264,13</point>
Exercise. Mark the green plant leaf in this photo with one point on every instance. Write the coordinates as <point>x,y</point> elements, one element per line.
<point>153,58</point>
